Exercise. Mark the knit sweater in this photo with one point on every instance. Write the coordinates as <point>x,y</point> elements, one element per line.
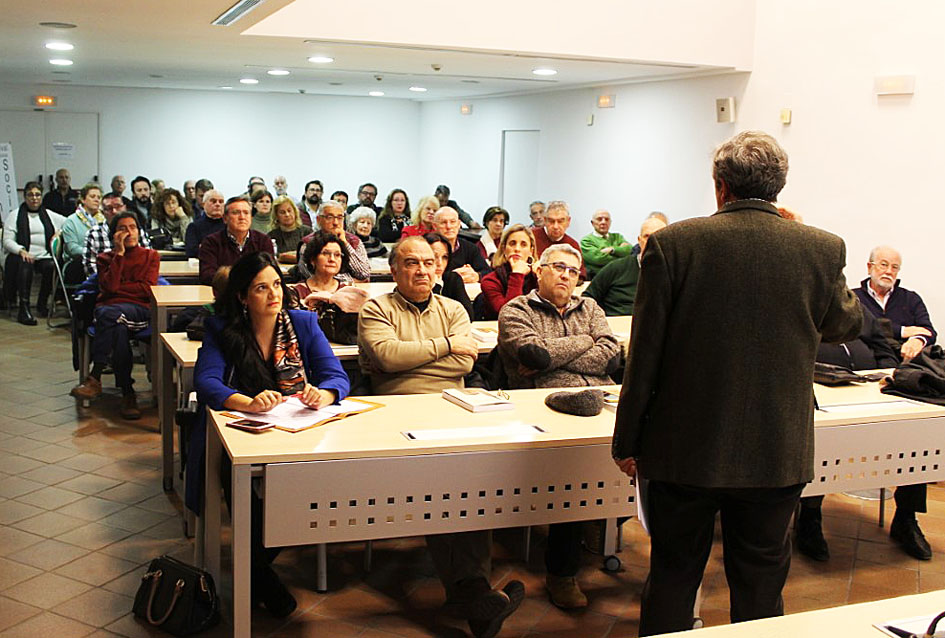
<point>580,341</point>
<point>405,349</point>
<point>903,308</point>
<point>219,249</point>
<point>592,247</point>
<point>127,278</point>
<point>615,287</point>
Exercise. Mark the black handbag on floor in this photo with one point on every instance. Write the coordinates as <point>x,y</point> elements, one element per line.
<point>177,597</point>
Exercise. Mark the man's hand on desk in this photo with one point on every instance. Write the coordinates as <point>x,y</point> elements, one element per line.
<point>628,466</point>
<point>911,348</point>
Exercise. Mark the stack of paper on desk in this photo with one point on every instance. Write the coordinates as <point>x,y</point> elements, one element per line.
<point>292,415</point>
<point>477,400</point>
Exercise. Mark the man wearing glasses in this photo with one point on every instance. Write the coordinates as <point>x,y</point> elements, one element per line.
<point>551,338</point>
<point>367,193</point>
<point>331,219</point>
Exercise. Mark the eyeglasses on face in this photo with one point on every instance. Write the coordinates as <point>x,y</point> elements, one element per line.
<point>885,265</point>
<point>559,267</point>
<point>332,218</point>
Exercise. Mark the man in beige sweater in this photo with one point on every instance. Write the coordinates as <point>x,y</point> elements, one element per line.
<point>412,341</point>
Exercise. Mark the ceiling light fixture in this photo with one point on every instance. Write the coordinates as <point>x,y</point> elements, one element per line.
<point>277,72</point>
<point>376,93</point>
<point>236,12</point>
<point>544,71</point>
<point>249,81</point>
<point>59,46</point>
<point>61,62</point>
<point>417,89</point>
<point>321,59</point>
<point>57,25</point>
<point>226,88</point>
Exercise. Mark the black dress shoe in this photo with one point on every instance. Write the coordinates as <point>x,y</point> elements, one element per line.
<point>24,316</point>
<point>513,593</point>
<point>810,538</point>
<point>906,532</point>
<point>269,590</point>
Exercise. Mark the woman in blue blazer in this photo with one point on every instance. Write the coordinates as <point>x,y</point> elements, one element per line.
<point>255,353</point>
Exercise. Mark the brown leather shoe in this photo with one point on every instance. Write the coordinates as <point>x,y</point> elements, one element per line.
<point>565,592</point>
<point>129,407</point>
<point>88,389</point>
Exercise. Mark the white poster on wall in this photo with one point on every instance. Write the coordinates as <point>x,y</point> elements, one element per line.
<point>8,199</point>
<point>63,150</point>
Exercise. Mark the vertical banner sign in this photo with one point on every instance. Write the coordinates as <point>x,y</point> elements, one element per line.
<point>8,199</point>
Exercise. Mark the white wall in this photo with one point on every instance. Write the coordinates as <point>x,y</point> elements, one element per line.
<point>179,135</point>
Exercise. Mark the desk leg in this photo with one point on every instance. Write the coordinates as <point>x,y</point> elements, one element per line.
<point>165,396</point>
<point>321,569</point>
<point>210,540</point>
<point>242,529</point>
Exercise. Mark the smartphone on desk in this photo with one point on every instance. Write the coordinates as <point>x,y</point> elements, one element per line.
<point>250,425</point>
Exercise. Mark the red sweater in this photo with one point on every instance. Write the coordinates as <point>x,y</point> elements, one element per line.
<point>543,241</point>
<point>499,288</point>
<point>127,278</point>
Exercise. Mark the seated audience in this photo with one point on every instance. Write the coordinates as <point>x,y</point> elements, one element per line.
<point>447,282</point>
<point>341,197</point>
<point>601,246</point>
<point>200,191</point>
<point>536,211</point>
<point>308,205</point>
<point>189,190</point>
<point>172,214</point>
<point>125,276</point>
<point>254,185</point>
<point>551,338</point>
<point>255,353</point>
<point>141,201</point>
<point>262,210</point>
<point>367,193</point>
<point>361,223</point>
<point>555,230</point>
<point>26,236</point>
<point>414,341</point>
<point>224,248</point>
<point>615,287</point>
<point>280,185</point>
<point>421,221</point>
<point>63,199</point>
<point>88,213</point>
<point>210,222</point>
<point>495,220</point>
<point>118,189</point>
<point>663,218</point>
<point>442,194</point>
<point>465,259</point>
<point>515,274</point>
<point>337,311</point>
<point>330,219</point>
<point>98,240</point>
<point>287,230</point>
<point>157,187</point>
<point>394,216</point>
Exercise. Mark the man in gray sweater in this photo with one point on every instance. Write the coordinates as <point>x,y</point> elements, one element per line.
<point>552,338</point>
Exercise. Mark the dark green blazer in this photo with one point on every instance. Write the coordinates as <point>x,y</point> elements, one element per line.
<point>729,311</point>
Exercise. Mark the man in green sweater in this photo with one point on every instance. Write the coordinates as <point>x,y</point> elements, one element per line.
<point>615,286</point>
<point>603,247</point>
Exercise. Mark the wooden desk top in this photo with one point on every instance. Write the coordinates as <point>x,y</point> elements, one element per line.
<point>185,269</point>
<point>178,295</point>
<point>181,348</point>
<point>378,288</point>
<point>849,621</point>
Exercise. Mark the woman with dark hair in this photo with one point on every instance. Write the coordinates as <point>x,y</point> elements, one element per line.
<point>337,310</point>
<point>171,212</point>
<point>262,211</point>
<point>495,220</point>
<point>515,262</point>
<point>396,215</point>
<point>255,353</point>
<point>449,284</point>
<point>26,237</point>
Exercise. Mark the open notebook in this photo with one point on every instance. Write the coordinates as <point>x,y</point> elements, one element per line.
<point>293,416</point>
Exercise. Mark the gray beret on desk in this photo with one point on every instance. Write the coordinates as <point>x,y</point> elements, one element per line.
<point>582,403</point>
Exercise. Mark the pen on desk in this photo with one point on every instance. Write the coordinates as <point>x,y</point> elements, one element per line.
<point>902,633</point>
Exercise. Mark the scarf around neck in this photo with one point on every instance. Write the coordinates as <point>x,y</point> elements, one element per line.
<point>23,226</point>
<point>286,358</point>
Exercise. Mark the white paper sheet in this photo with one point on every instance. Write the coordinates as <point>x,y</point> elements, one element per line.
<point>915,625</point>
<point>293,415</point>
<point>519,432</point>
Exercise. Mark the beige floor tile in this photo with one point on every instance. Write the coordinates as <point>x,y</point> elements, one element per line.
<point>13,612</point>
<point>49,524</point>
<point>50,474</point>
<point>50,498</point>
<point>46,590</point>
<point>131,627</point>
<point>139,548</point>
<point>48,554</point>
<point>96,568</point>
<point>86,462</point>
<point>91,508</point>
<point>17,486</point>
<point>96,607</point>
<point>13,511</point>
<point>89,484</point>
<point>16,464</point>
<point>93,536</point>
<point>134,519</point>
<point>13,540</point>
<point>50,453</point>
<point>12,573</point>
<point>48,624</point>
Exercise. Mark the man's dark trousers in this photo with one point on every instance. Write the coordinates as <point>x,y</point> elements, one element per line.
<point>756,547</point>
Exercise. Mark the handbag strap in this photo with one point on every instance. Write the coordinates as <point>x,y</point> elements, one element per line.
<point>155,582</point>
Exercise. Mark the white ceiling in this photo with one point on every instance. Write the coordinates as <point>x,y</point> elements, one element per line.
<point>172,44</point>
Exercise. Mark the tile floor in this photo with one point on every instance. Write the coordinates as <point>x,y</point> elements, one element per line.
<point>82,511</point>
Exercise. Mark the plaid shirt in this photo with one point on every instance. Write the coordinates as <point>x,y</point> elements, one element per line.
<point>97,241</point>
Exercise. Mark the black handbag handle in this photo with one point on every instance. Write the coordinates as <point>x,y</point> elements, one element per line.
<point>155,583</point>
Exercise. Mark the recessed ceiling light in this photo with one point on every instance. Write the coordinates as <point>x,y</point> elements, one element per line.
<point>376,93</point>
<point>226,88</point>
<point>60,72</point>
<point>61,62</point>
<point>418,89</point>
<point>155,75</point>
<point>470,81</point>
<point>544,71</point>
<point>321,59</point>
<point>249,81</point>
<point>59,46</point>
<point>335,84</point>
<point>57,25</point>
<point>277,72</point>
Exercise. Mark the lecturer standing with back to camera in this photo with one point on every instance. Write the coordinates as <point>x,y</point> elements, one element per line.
<point>716,409</point>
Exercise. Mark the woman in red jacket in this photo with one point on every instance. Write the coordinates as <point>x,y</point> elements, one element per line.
<point>515,263</point>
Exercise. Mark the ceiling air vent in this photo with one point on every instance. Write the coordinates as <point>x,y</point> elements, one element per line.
<point>236,12</point>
